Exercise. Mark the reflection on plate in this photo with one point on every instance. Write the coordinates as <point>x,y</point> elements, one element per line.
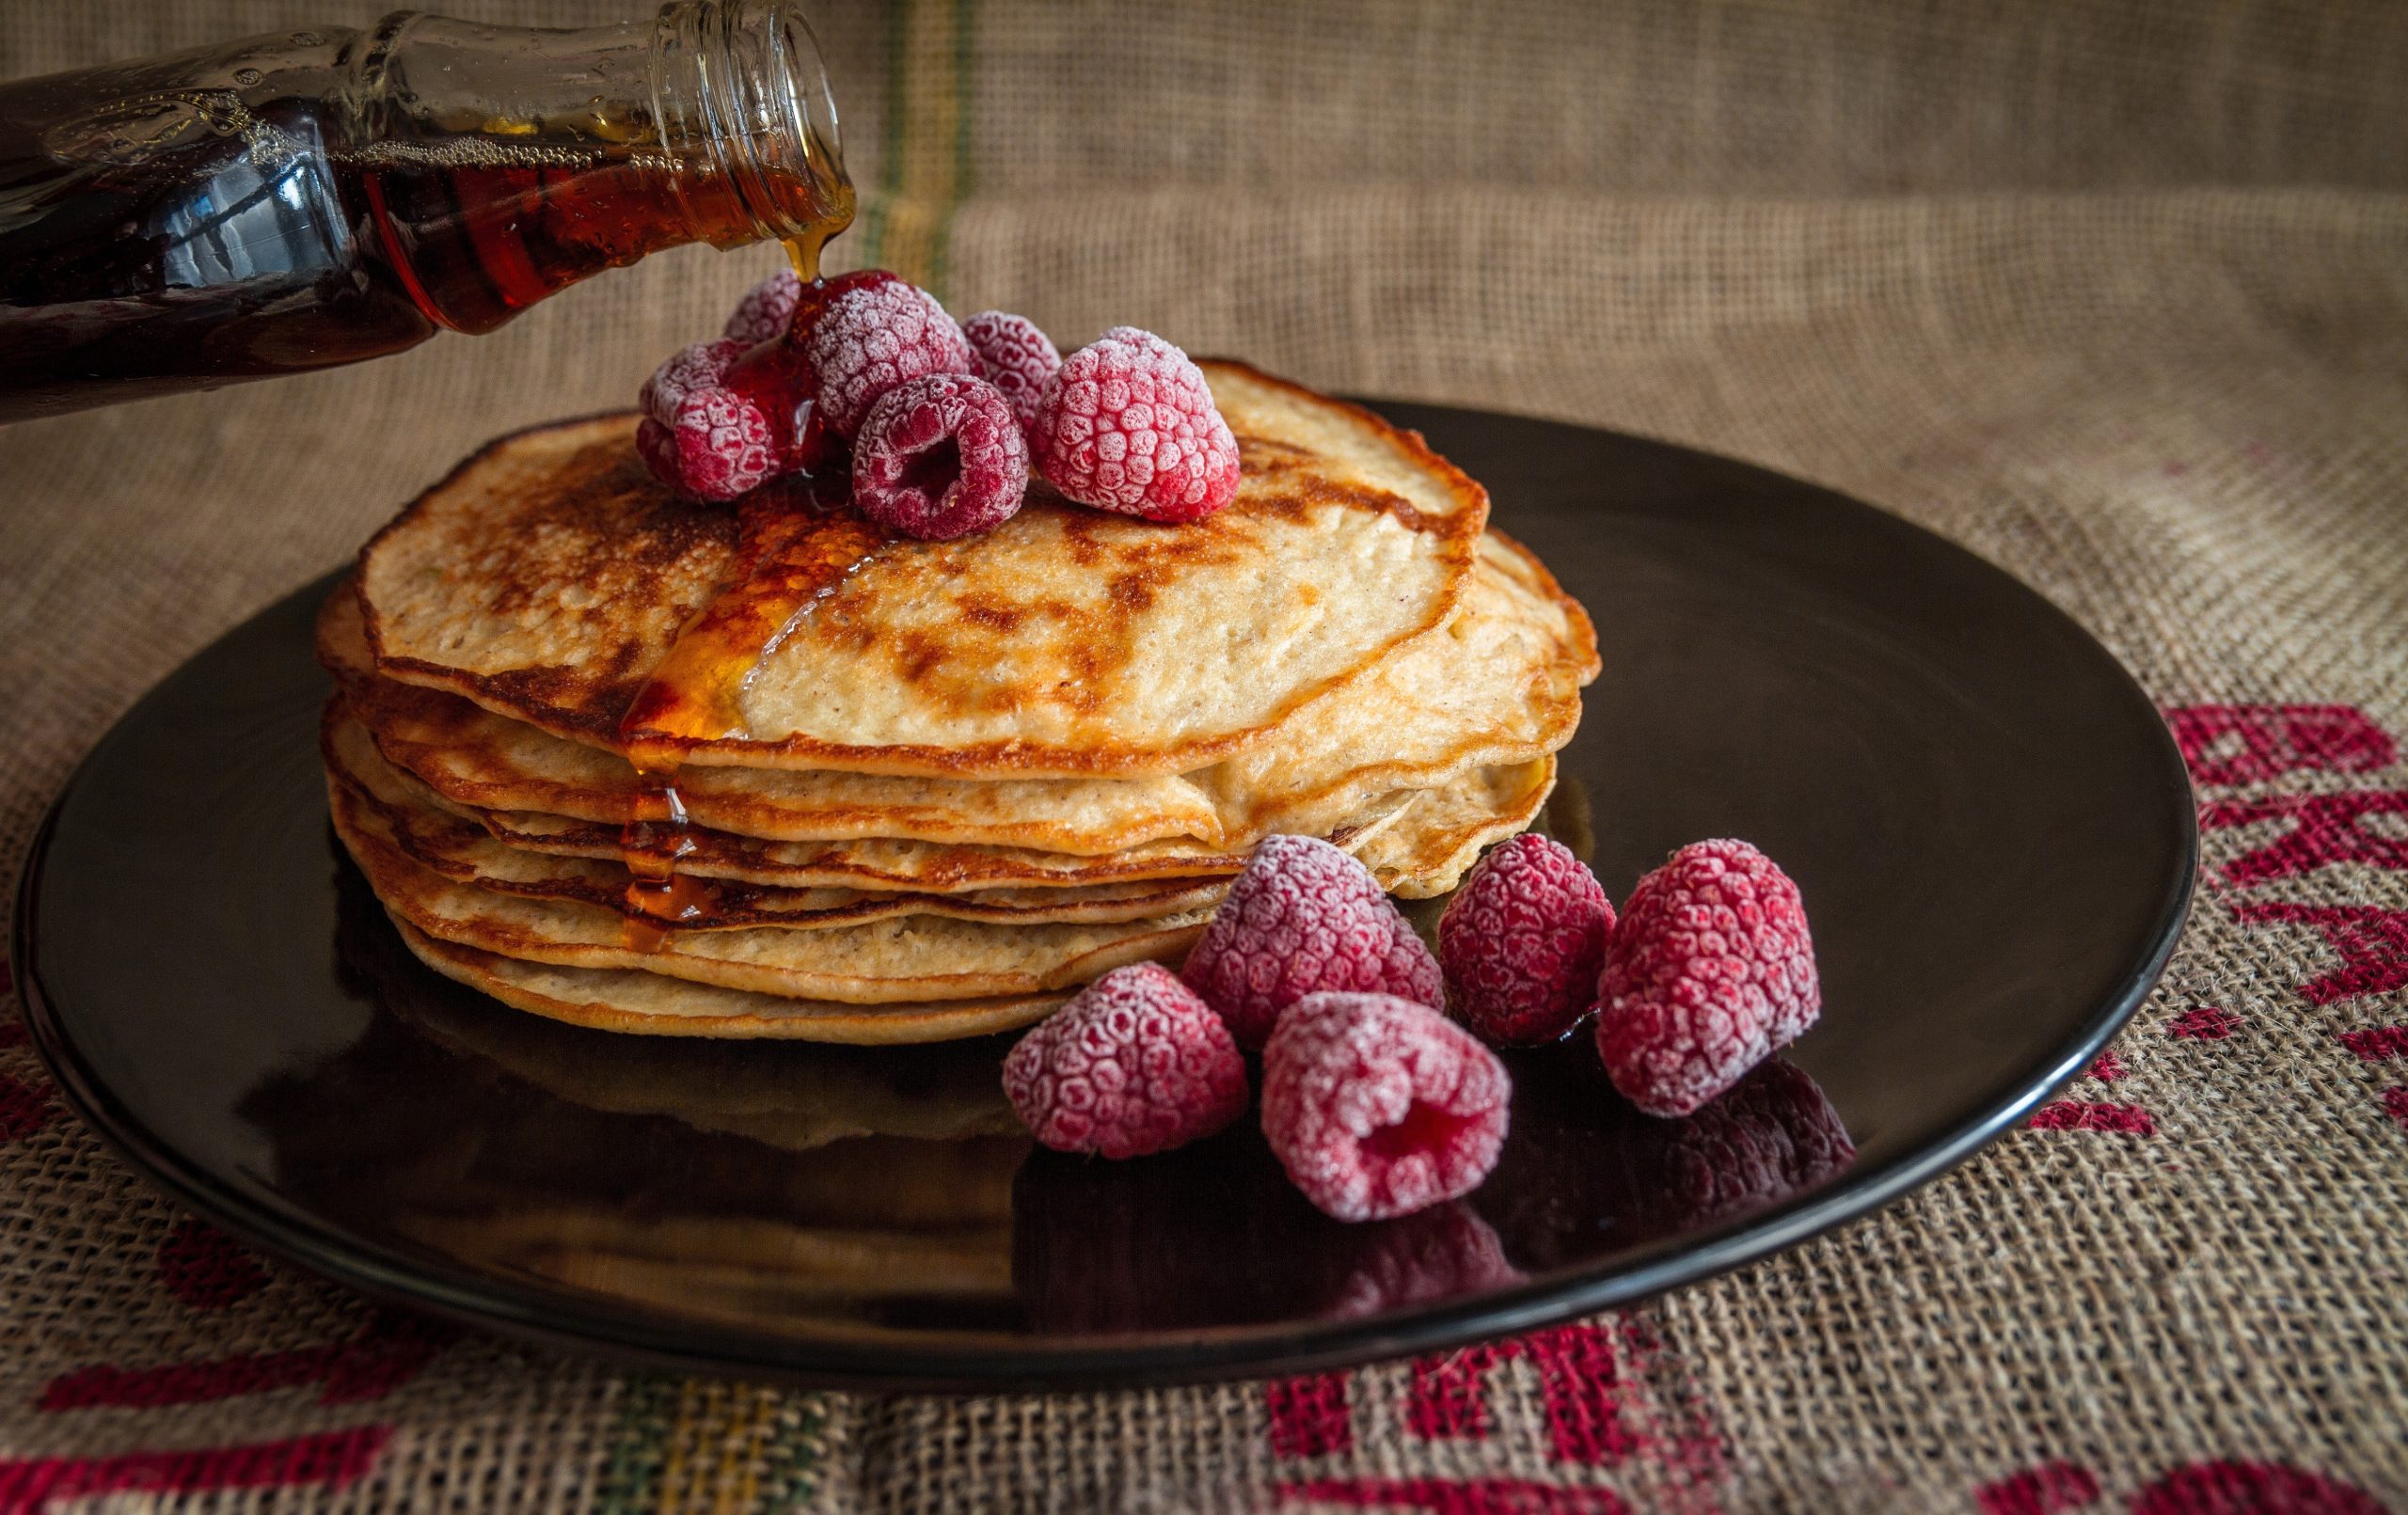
<point>892,1187</point>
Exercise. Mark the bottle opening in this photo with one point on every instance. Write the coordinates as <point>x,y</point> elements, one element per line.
<point>741,101</point>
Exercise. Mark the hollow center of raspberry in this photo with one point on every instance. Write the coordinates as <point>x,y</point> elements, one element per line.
<point>1424,1128</point>
<point>934,469</point>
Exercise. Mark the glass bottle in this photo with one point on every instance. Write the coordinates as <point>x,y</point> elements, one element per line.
<point>319,196</point>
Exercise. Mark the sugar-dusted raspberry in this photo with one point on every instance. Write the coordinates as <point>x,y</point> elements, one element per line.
<point>775,377</point>
<point>1133,1064</point>
<point>940,457</point>
<point>875,336</point>
<point>715,448</point>
<point>1377,1106</point>
<point>766,310</point>
<point>1522,940</point>
<point>1127,423</point>
<point>1708,972</point>
<point>1014,357</point>
<point>1304,917</point>
<point>702,366</point>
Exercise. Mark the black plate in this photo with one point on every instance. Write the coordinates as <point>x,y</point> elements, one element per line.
<point>1991,827</point>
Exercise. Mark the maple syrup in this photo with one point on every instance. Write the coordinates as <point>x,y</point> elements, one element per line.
<point>798,540</point>
<point>316,198</point>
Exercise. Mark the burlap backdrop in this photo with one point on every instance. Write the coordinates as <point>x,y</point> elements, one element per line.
<point>2113,293</point>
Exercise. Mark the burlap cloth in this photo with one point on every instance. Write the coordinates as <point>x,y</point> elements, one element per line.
<point>2114,294</point>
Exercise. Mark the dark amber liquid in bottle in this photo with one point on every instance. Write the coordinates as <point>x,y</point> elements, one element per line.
<point>289,203</point>
<point>172,274</point>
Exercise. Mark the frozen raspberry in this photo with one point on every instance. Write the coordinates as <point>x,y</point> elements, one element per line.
<point>1377,1106</point>
<point>1014,357</point>
<point>776,379</point>
<point>940,457</point>
<point>1709,971</point>
<point>874,337</point>
<point>1133,1064</point>
<point>1127,423</point>
<point>716,447</point>
<point>1304,917</point>
<point>687,370</point>
<point>1521,942</point>
<point>766,310</point>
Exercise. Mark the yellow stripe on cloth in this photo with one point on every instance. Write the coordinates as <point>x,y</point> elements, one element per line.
<point>719,1445</point>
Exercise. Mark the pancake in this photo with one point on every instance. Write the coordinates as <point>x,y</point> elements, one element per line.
<point>1499,684</point>
<point>548,578</point>
<point>1428,852</point>
<point>647,1005</point>
<point>909,959</point>
<point>464,852</point>
<point>1426,832</point>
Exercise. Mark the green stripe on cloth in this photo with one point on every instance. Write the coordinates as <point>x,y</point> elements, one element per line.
<point>907,221</point>
<point>701,1443</point>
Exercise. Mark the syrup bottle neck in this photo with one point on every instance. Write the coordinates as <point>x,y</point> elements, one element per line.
<point>711,122</point>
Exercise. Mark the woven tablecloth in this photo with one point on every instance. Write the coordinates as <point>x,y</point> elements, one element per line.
<point>2115,295</point>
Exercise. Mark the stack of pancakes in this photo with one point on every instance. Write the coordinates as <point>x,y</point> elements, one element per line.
<point>758,771</point>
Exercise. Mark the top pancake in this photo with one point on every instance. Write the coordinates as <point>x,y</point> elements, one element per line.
<point>549,576</point>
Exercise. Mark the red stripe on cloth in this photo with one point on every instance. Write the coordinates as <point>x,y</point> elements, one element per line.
<point>2378,1044</point>
<point>391,1350</point>
<point>2044,1489</point>
<point>336,1457</point>
<point>2323,830</point>
<point>2372,943</point>
<point>2394,1104</point>
<point>1310,1415</point>
<point>2204,1022</point>
<point>2250,743</point>
<point>25,1108</point>
<point>206,1269</point>
<point>1444,1497</point>
<point>2085,1115</point>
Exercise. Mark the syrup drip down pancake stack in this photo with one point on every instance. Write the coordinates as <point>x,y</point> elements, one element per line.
<point>763,770</point>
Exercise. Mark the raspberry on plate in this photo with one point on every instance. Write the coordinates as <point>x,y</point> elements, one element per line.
<point>1709,971</point>
<point>1133,1064</point>
<point>877,335</point>
<point>1377,1106</point>
<point>940,457</point>
<point>775,377</point>
<point>714,448</point>
<point>1127,423</point>
<point>1304,917</point>
<point>766,310</point>
<point>1015,357</point>
<point>682,374</point>
<point>1522,940</point>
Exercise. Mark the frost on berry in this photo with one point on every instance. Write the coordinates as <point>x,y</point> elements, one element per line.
<point>1302,918</point>
<point>1014,357</point>
<point>766,310</point>
<point>1127,423</point>
<point>715,448</point>
<point>775,376</point>
<point>1378,1105</point>
<point>1133,1064</point>
<point>874,337</point>
<point>1708,972</point>
<point>1522,941</point>
<point>702,366</point>
<point>940,457</point>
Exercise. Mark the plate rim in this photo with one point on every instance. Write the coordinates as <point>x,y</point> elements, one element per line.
<point>967,1362</point>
